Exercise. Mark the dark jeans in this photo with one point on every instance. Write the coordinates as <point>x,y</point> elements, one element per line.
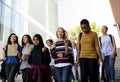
<point>24,74</point>
<point>71,76</point>
<point>63,73</point>
<point>89,70</point>
<point>11,70</point>
<point>52,73</point>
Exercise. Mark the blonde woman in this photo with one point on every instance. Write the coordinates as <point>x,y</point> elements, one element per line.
<point>63,56</point>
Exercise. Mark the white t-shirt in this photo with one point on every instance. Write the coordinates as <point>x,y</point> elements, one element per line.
<point>74,54</point>
<point>106,47</point>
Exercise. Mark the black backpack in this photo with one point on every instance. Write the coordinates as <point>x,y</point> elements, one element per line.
<point>79,38</point>
<point>111,42</point>
<point>110,39</point>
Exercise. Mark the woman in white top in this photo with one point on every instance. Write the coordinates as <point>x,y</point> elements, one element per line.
<point>74,50</point>
<point>108,49</point>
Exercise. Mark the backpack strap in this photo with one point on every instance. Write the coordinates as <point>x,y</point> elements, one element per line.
<point>80,35</point>
<point>111,38</point>
<point>79,39</point>
<point>100,41</point>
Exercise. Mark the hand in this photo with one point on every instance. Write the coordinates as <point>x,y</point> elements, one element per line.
<point>113,56</point>
<point>101,60</point>
<point>44,49</point>
<point>23,57</point>
<point>29,52</point>
<point>60,55</point>
<point>77,62</point>
<point>52,46</point>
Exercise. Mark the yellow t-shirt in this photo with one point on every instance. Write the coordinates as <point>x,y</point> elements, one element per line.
<point>88,44</point>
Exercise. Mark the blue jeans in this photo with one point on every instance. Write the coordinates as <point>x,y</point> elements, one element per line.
<point>11,70</point>
<point>71,76</point>
<point>109,67</point>
<point>63,73</point>
<point>76,73</point>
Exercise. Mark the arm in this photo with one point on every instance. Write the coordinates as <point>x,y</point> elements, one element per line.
<point>114,48</point>
<point>30,59</point>
<point>99,53</point>
<point>52,49</point>
<point>4,51</point>
<point>19,51</point>
<point>78,50</point>
<point>97,47</point>
<point>70,51</point>
<point>46,57</point>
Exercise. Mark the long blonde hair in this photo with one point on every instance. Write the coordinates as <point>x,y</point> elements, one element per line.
<point>65,34</point>
<point>65,38</point>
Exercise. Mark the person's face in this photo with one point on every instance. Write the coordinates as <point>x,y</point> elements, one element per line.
<point>104,30</point>
<point>13,38</point>
<point>85,28</point>
<point>60,33</point>
<point>49,43</point>
<point>73,44</point>
<point>25,40</point>
<point>36,41</point>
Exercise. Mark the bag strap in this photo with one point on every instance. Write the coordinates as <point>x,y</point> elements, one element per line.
<point>79,39</point>
<point>111,38</point>
<point>80,35</point>
<point>100,41</point>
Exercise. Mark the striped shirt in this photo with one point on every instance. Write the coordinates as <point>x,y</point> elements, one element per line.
<point>67,58</point>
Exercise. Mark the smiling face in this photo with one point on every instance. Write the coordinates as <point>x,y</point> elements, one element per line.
<point>25,40</point>
<point>104,29</point>
<point>13,38</point>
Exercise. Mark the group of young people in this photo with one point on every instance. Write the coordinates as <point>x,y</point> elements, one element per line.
<point>38,63</point>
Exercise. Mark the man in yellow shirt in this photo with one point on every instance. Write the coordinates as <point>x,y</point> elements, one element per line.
<point>88,53</point>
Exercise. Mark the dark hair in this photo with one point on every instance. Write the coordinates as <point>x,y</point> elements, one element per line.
<point>105,27</point>
<point>64,33</point>
<point>84,21</point>
<point>41,44</point>
<point>9,42</point>
<point>29,39</point>
<point>50,40</point>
